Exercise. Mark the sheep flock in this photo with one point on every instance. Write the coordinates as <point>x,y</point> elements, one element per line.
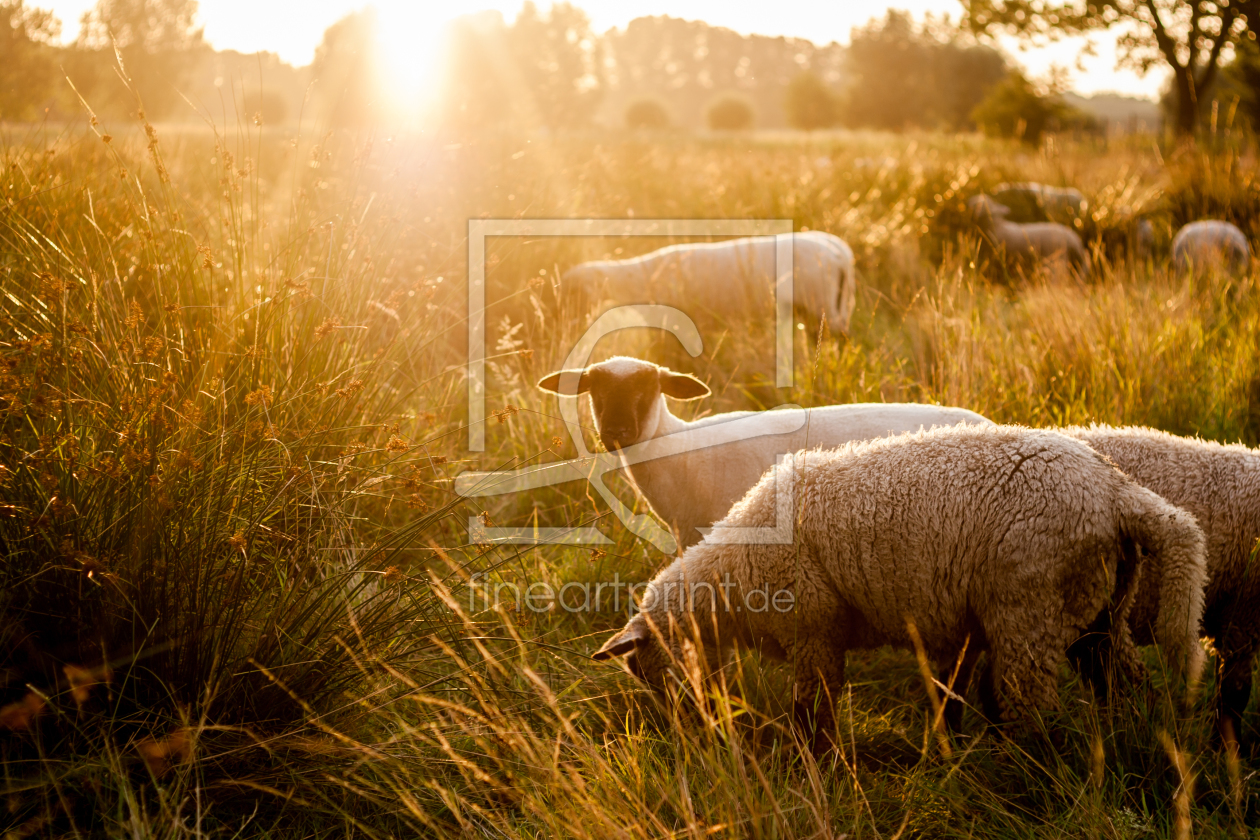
<point>1000,553</point>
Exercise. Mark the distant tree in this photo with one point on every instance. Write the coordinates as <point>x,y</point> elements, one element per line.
<point>810,103</point>
<point>729,113</point>
<point>558,62</point>
<point>476,93</point>
<point>346,72</point>
<point>1238,89</point>
<point>26,67</point>
<point>1190,37</point>
<point>1015,108</point>
<point>929,76</point>
<point>158,44</point>
<point>646,113</point>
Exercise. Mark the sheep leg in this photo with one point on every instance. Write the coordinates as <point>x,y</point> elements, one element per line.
<point>819,676</point>
<point>962,680</point>
<point>1023,674</point>
<point>1235,692</point>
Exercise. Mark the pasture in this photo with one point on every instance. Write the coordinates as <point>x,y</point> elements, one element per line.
<point>241,598</point>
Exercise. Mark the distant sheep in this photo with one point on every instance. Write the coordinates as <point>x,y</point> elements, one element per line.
<point>694,489</point>
<point>1033,202</point>
<point>734,278</point>
<point>1028,244</point>
<point>1199,245</point>
<point>1220,486</point>
<point>1001,538</point>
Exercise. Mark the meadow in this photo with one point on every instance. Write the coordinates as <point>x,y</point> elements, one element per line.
<point>236,597</point>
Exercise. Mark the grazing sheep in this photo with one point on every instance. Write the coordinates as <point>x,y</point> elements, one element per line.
<point>1032,202</point>
<point>694,489</point>
<point>1030,244</point>
<point>1220,486</point>
<point>735,277</point>
<point>1199,245</point>
<point>1002,538</point>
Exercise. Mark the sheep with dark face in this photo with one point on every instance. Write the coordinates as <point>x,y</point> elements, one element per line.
<point>1033,202</point>
<point>693,489</point>
<point>732,279</point>
<point>996,538</point>
<point>1211,243</point>
<point>1029,245</point>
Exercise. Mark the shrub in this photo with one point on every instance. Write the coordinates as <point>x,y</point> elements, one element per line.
<point>646,113</point>
<point>1014,108</point>
<point>729,113</point>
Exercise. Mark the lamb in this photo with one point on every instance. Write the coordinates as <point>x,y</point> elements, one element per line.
<point>732,278</point>
<point>1201,244</point>
<point>1030,244</point>
<point>1220,486</point>
<point>1002,538</point>
<point>693,489</point>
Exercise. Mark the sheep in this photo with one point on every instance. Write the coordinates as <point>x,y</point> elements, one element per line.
<point>1032,202</point>
<point>1201,244</point>
<point>1220,486</point>
<point>1002,538</point>
<point>693,489</point>
<point>732,278</point>
<point>1027,243</point>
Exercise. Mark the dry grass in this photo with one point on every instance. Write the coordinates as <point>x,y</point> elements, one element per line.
<point>234,598</point>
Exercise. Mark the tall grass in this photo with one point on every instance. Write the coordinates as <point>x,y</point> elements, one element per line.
<point>236,592</point>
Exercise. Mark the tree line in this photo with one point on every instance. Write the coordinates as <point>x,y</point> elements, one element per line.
<point>549,69</point>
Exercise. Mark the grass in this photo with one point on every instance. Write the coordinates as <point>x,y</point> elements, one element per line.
<point>236,603</point>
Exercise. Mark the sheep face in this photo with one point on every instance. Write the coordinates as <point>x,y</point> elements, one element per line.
<point>626,396</point>
<point>986,210</point>
<point>652,662</point>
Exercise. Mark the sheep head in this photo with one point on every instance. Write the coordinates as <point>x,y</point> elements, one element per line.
<point>985,210</point>
<point>625,396</point>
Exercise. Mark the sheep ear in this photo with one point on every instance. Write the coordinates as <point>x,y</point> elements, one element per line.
<point>634,634</point>
<point>551,382</point>
<point>682,386</point>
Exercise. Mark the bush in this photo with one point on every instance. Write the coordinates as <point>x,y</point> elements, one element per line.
<point>810,103</point>
<point>1016,109</point>
<point>646,113</point>
<point>729,113</point>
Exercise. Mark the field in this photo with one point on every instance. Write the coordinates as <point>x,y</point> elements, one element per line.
<point>236,598</point>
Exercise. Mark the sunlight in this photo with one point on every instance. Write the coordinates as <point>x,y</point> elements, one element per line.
<point>410,37</point>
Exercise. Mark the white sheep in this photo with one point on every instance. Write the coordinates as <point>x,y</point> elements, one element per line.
<point>1210,242</point>
<point>693,489</point>
<point>1029,244</point>
<point>1220,486</point>
<point>734,278</point>
<point>1001,538</point>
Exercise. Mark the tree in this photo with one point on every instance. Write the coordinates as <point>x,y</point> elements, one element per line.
<point>1190,36</point>
<point>930,76</point>
<point>346,72</point>
<point>810,103</point>
<point>1015,108</point>
<point>156,40</point>
<point>26,70</point>
<point>475,93</point>
<point>557,59</point>
<point>646,113</point>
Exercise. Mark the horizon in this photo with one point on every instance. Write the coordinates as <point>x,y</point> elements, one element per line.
<point>250,26</point>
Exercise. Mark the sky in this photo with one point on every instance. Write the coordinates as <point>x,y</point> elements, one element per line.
<point>293,28</point>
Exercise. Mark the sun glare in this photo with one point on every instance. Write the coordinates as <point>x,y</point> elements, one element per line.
<point>411,36</point>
